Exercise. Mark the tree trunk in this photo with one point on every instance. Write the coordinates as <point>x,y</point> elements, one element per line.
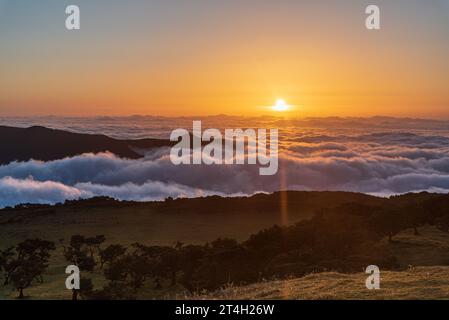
<point>390,237</point>
<point>157,284</point>
<point>416,233</point>
<point>74,294</point>
<point>20,294</point>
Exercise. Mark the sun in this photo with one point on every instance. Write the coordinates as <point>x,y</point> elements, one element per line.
<point>280,106</point>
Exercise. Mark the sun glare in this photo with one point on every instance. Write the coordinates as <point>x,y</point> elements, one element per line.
<point>280,106</point>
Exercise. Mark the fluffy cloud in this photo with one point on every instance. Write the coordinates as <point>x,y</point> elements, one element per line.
<point>14,191</point>
<point>365,160</point>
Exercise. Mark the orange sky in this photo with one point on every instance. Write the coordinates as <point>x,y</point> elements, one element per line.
<point>229,58</point>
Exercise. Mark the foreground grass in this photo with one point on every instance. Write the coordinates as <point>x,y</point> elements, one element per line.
<point>429,251</point>
<point>415,283</point>
<point>424,258</point>
<point>420,283</point>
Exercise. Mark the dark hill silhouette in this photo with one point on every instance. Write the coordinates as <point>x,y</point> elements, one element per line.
<point>39,143</point>
<point>204,218</point>
<point>298,203</point>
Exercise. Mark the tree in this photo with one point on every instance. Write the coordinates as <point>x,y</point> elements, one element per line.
<point>41,249</point>
<point>388,222</point>
<point>190,260</point>
<point>111,253</point>
<point>79,254</point>
<point>169,263</point>
<point>414,216</point>
<point>7,266</point>
<point>94,243</point>
<point>22,276</point>
<point>26,262</point>
<point>86,290</point>
<point>126,274</point>
<point>118,270</point>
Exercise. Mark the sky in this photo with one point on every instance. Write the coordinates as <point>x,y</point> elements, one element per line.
<point>198,57</point>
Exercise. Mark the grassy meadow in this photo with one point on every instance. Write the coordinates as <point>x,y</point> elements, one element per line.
<point>422,258</point>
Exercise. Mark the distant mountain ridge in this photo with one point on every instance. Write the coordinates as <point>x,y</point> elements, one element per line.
<point>40,143</point>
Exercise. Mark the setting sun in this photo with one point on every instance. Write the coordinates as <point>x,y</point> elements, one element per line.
<point>281,106</point>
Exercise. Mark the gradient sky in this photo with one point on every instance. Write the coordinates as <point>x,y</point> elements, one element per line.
<point>198,57</point>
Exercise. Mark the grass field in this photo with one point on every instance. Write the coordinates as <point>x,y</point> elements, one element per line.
<point>423,258</point>
<point>429,280</point>
<point>425,275</point>
<point>414,283</point>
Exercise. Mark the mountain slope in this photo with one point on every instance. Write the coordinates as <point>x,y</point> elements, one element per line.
<point>39,143</point>
<point>189,220</point>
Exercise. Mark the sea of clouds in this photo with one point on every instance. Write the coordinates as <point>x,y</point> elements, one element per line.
<point>381,156</point>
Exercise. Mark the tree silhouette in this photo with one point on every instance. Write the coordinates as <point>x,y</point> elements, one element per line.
<point>79,254</point>
<point>26,262</point>
<point>111,253</point>
<point>94,243</point>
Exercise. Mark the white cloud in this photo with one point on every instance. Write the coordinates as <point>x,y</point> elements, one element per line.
<point>14,191</point>
<point>362,160</point>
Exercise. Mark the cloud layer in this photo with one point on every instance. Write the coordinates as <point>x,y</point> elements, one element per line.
<point>374,160</point>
